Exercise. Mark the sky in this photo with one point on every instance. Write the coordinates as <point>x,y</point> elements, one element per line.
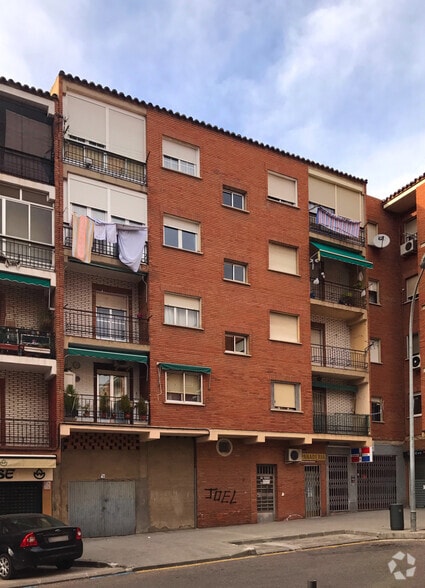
<point>337,82</point>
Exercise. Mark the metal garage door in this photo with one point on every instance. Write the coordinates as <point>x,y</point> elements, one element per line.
<point>20,497</point>
<point>103,508</point>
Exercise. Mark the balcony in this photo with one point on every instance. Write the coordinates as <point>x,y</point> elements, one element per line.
<point>94,158</point>
<point>338,294</point>
<point>341,424</point>
<point>14,252</point>
<point>28,342</point>
<point>338,357</point>
<point>94,409</point>
<point>28,433</point>
<point>99,247</point>
<point>106,327</point>
<point>316,227</point>
<point>24,165</point>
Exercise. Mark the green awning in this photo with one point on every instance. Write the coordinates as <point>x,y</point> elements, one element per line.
<point>343,255</point>
<point>21,279</point>
<point>104,354</point>
<point>178,367</point>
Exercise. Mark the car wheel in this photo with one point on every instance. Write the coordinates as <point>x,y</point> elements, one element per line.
<point>7,570</point>
<point>64,564</point>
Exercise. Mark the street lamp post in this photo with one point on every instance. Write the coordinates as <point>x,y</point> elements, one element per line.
<point>412,475</point>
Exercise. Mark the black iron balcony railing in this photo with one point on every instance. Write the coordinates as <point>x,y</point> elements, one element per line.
<point>108,327</point>
<point>28,433</point>
<point>97,409</point>
<point>99,247</point>
<point>25,165</point>
<point>338,357</point>
<point>341,424</point>
<point>23,341</point>
<point>84,154</point>
<point>339,294</point>
<point>315,227</point>
<point>15,252</point>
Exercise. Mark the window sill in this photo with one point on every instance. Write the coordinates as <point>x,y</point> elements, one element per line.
<point>236,282</point>
<point>181,173</point>
<point>284,202</point>
<point>235,208</point>
<point>183,327</point>
<point>181,249</point>
<point>287,410</point>
<point>183,403</point>
<point>238,354</point>
<point>282,341</point>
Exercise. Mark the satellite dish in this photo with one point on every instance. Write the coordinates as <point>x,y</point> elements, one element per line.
<point>381,240</point>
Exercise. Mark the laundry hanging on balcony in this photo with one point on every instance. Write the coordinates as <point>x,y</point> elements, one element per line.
<point>131,245</point>
<point>338,224</point>
<point>105,231</point>
<point>82,237</point>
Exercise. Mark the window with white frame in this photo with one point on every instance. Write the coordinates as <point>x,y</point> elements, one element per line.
<point>182,311</point>
<point>372,231</point>
<point>373,288</point>
<point>26,214</point>
<point>286,396</point>
<point>181,233</point>
<point>284,327</point>
<point>415,344</point>
<point>283,258</point>
<point>184,387</point>
<point>180,157</point>
<point>417,404</point>
<point>111,386</point>
<point>375,351</point>
<point>410,287</point>
<point>236,343</point>
<point>237,272</point>
<point>282,189</point>
<point>410,228</point>
<point>234,199</point>
<point>112,316</point>
<point>377,410</point>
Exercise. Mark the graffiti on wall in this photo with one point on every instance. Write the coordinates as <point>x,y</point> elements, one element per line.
<point>223,496</point>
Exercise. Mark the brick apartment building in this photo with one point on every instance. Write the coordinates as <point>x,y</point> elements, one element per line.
<point>229,325</point>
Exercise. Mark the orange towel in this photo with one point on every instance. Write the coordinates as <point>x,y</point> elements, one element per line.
<point>82,237</point>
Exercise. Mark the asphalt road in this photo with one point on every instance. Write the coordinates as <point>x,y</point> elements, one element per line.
<point>383,564</point>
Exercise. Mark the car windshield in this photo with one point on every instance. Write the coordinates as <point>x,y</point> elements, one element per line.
<point>28,522</point>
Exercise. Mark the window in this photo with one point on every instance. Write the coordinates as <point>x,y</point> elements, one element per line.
<point>417,404</point>
<point>235,343</point>
<point>110,387</point>
<point>284,327</point>
<point>282,189</point>
<point>410,229</point>
<point>180,157</point>
<point>377,410</point>
<point>111,317</point>
<point>285,396</point>
<point>283,258</point>
<point>234,199</point>
<point>375,351</point>
<point>372,231</point>
<point>237,272</point>
<point>373,289</point>
<point>181,233</point>
<point>345,200</point>
<point>415,344</point>
<point>410,287</point>
<point>182,311</point>
<point>183,387</point>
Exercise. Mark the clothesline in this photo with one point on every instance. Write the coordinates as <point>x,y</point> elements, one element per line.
<point>131,239</point>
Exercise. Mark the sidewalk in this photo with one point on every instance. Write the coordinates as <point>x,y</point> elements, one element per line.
<point>195,545</point>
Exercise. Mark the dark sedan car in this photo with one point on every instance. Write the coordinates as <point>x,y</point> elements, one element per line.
<point>31,539</point>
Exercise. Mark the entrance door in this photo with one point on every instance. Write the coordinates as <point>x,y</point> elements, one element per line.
<point>377,483</point>
<point>338,483</point>
<point>266,475</point>
<point>312,490</point>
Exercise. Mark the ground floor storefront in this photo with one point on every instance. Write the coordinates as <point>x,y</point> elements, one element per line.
<point>117,484</point>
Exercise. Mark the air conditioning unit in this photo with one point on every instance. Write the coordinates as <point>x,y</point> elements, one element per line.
<point>294,455</point>
<point>416,361</point>
<point>69,379</point>
<point>408,247</point>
